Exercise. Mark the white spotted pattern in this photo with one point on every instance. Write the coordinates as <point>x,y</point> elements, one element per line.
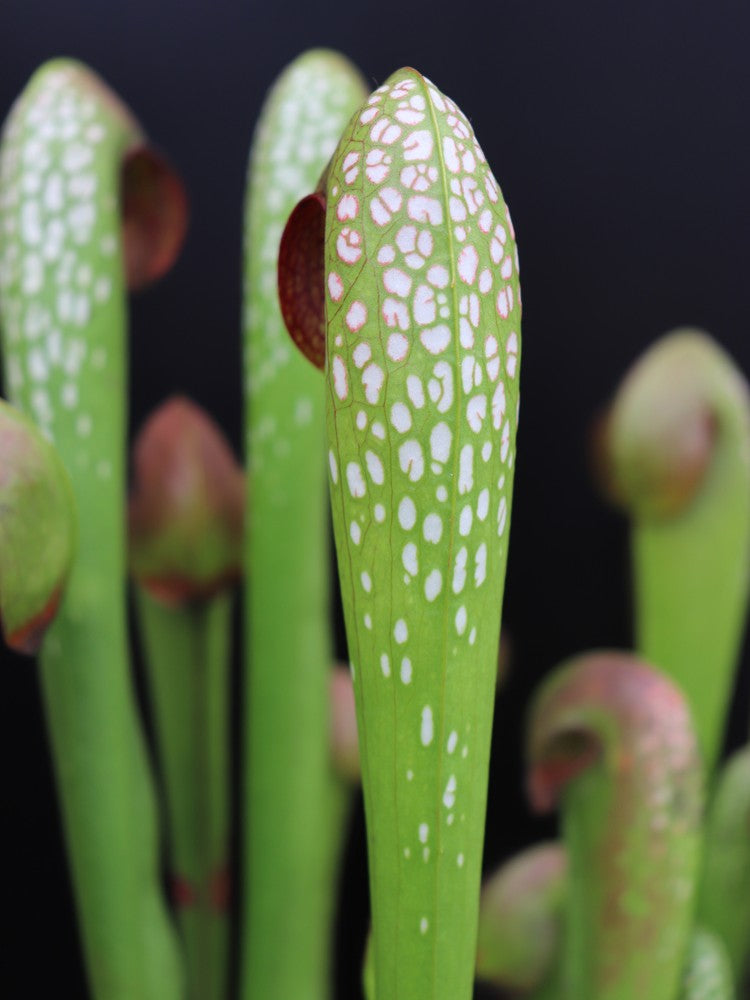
<point>60,291</point>
<point>433,263</point>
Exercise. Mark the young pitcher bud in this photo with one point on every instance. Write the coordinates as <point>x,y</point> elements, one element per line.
<point>653,451</point>
<point>186,506</point>
<point>612,739</point>
<point>520,918</point>
<point>37,531</point>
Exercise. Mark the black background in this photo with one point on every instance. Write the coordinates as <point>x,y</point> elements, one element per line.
<point>619,133</point>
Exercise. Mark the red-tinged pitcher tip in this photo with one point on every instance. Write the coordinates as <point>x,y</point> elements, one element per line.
<point>301,277</point>
<point>154,216</point>
<point>654,449</point>
<point>186,506</point>
<point>521,920</point>
<point>38,528</point>
<point>28,638</point>
<point>632,816</point>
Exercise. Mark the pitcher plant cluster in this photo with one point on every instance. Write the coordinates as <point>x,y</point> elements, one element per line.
<point>381,364</point>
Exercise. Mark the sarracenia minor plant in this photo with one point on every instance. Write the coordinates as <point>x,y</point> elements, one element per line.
<point>378,242</point>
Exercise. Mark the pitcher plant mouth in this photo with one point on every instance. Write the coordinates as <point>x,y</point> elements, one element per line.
<point>302,277</point>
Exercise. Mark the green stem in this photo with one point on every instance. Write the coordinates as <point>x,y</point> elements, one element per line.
<point>108,808</point>
<point>293,804</point>
<point>64,320</point>
<point>187,659</point>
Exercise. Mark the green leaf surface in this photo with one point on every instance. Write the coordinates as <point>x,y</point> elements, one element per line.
<point>423,323</point>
